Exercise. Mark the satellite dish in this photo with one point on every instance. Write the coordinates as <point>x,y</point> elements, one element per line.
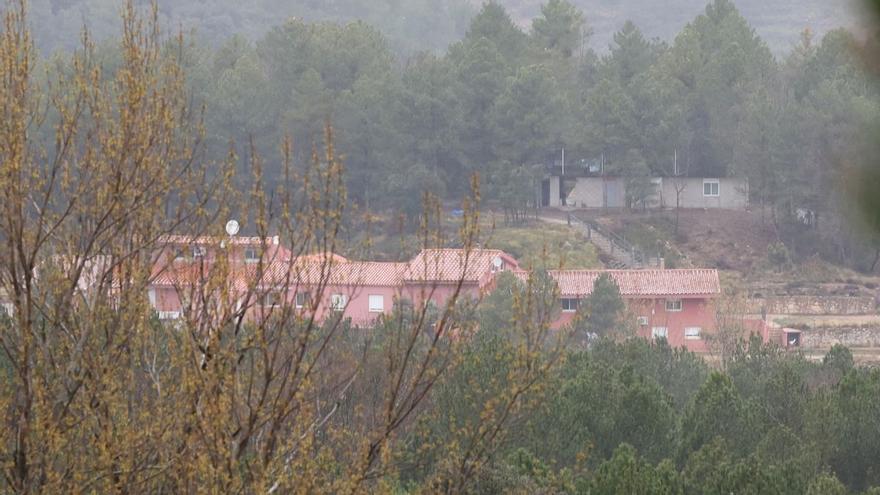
<point>232,227</point>
<point>497,262</point>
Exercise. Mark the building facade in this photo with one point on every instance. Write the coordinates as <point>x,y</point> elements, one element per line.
<point>686,192</point>
<point>673,304</point>
<point>677,305</point>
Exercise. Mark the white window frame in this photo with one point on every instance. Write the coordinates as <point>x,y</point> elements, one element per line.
<point>251,259</point>
<point>338,302</point>
<point>717,186</point>
<point>674,305</point>
<point>199,252</point>
<point>301,299</point>
<point>657,332</point>
<point>8,309</point>
<point>693,333</point>
<point>642,321</point>
<point>568,307</point>
<point>169,315</point>
<point>376,303</point>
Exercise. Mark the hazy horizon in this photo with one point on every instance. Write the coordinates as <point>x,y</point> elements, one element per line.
<point>57,24</point>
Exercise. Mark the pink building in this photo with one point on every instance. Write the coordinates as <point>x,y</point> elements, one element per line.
<point>264,276</point>
<point>364,290</point>
<point>674,304</point>
<point>183,266</point>
<point>435,274</point>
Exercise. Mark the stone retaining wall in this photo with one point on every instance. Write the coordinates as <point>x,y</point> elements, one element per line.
<point>867,336</point>
<point>814,305</point>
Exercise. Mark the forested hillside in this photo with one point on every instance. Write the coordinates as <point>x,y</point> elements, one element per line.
<point>413,25</point>
<point>503,98</point>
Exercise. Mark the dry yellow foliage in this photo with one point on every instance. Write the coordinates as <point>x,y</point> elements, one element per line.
<point>98,396</point>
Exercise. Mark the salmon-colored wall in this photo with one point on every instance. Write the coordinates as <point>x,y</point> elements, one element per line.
<point>695,312</point>
<point>358,305</point>
<point>167,299</point>
<point>439,294</point>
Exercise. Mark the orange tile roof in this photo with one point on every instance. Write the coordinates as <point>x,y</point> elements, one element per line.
<point>180,274</point>
<point>208,240</point>
<point>307,271</point>
<point>428,266</point>
<point>442,266</point>
<point>323,257</point>
<point>451,265</point>
<point>367,273</point>
<point>683,282</point>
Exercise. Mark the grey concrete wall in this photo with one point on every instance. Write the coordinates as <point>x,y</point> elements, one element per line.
<point>733,194</point>
<point>588,193</point>
<point>554,191</point>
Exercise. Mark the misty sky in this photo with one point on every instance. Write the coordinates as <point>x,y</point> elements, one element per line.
<point>414,25</point>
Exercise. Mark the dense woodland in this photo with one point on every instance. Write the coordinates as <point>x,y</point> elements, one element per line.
<point>502,99</point>
<point>623,416</point>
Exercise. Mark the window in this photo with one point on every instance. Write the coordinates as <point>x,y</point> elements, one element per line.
<point>711,187</point>
<point>8,309</point>
<point>338,302</point>
<point>658,332</point>
<point>272,298</point>
<point>251,255</point>
<point>673,305</point>
<point>169,315</point>
<point>643,321</point>
<point>569,305</point>
<point>199,251</point>
<point>377,303</point>
<point>302,300</point>
<point>497,264</point>
<point>692,333</point>
<point>151,295</point>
